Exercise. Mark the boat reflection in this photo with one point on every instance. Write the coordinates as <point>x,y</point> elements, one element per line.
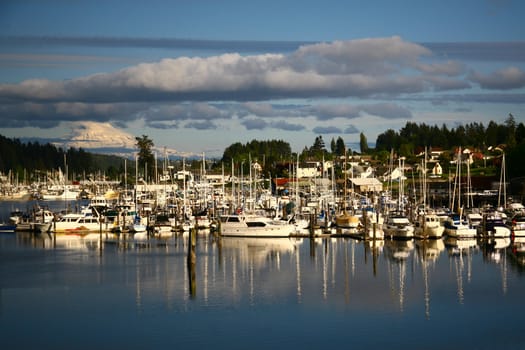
<point>64,241</point>
<point>399,250</point>
<point>428,252</point>
<point>460,250</point>
<point>457,245</point>
<point>429,249</point>
<point>257,252</point>
<point>494,248</point>
<point>398,253</point>
<point>517,251</point>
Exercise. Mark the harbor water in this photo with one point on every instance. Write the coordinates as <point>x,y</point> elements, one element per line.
<point>243,293</point>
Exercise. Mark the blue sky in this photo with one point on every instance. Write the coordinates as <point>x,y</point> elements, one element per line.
<point>197,76</point>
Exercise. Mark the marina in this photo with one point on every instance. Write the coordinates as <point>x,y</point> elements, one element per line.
<point>197,288</point>
<point>236,261</point>
<point>258,175</point>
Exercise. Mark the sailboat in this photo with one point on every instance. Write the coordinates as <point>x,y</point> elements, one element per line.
<point>427,223</point>
<point>397,225</point>
<point>494,222</point>
<point>456,225</point>
<point>137,226</point>
<point>345,219</point>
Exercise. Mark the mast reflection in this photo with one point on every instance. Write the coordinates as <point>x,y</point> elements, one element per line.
<point>398,252</point>
<point>428,252</point>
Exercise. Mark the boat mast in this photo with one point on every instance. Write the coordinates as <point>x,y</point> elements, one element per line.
<point>459,180</point>
<point>502,182</point>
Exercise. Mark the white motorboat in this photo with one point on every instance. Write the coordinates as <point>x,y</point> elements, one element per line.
<point>398,226</point>
<point>82,222</point>
<point>428,225</point>
<point>65,194</point>
<point>254,225</point>
<point>494,225</point>
<point>457,226</point>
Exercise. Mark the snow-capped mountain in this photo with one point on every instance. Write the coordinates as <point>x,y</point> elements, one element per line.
<point>92,136</point>
<point>99,138</point>
<point>105,138</point>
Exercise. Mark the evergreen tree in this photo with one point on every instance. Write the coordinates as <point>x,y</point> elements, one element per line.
<point>146,159</point>
<point>318,148</point>
<point>340,146</point>
<point>363,143</point>
<point>511,131</point>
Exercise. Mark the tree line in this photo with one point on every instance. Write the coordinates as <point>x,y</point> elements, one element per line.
<point>474,135</point>
<point>413,138</point>
<point>25,158</point>
<point>273,155</point>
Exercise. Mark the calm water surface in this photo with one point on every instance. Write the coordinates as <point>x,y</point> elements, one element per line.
<point>260,294</point>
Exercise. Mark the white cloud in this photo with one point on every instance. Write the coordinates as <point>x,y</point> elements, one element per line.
<point>329,82</point>
<point>503,79</point>
<point>376,56</point>
<point>343,68</point>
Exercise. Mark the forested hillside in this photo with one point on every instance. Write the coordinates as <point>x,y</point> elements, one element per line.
<point>412,139</point>
<point>19,157</point>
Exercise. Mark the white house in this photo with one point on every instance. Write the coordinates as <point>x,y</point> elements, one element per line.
<point>437,170</point>
<point>314,169</point>
<point>396,175</point>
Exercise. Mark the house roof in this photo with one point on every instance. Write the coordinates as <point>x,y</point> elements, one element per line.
<point>365,181</point>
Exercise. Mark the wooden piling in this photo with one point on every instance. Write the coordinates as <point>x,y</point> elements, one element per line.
<point>326,228</point>
<point>191,262</point>
<point>100,235</point>
<point>54,230</point>
<point>312,246</point>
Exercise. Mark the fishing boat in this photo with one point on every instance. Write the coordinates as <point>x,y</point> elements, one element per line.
<point>254,225</point>
<point>37,220</point>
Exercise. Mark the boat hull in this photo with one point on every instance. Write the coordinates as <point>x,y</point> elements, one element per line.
<point>241,226</point>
